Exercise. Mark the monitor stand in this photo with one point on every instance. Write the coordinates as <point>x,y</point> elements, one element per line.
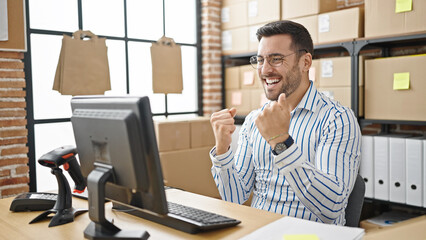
<point>100,227</point>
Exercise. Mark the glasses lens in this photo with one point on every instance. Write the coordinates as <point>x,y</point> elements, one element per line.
<point>254,62</point>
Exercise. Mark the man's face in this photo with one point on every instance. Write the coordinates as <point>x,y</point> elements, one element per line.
<point>285,78</point>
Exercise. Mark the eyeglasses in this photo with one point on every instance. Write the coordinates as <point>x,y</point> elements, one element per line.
<point>275,60</point>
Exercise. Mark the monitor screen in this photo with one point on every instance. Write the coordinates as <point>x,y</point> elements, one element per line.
<point>118,132</point>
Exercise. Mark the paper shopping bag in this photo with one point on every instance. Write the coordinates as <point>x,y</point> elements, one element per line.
<point>83,65</point>
<point>166,66</point>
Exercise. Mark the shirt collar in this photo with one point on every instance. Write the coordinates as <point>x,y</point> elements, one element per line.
<point>309,100</point>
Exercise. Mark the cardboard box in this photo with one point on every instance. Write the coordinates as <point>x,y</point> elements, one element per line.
<point>253,42</point>
<point>201,132</point>
<point>382,18</point>
<point>336,72</point>
<point>342,25</point>
<point>249,78</point>
<point>342,4</point>
<point>263,11</point>
<point>172,134</point>
<point>368,226</point>
<point>343,95</point>
<point>311,24</point>
<point>382,101</point>
<point>235,41</point>
<point>240,99</point>
<point>314,72</point>
<point>301,8</point>
<point>258,98</point>
<point>232,78</point>
<point>234,15</point>
<point>189,170</point>
<point>412,229</point>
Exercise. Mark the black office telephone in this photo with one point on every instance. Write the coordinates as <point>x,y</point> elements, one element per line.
<point>38,201</point>
<point>33,201</point>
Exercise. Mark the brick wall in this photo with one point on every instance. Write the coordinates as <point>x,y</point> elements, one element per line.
<point>211,55</point>
<point>14,175</point>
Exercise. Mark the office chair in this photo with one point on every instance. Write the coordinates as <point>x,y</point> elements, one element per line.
<point>355,202</point>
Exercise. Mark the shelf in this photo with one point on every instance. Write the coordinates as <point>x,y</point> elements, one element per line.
<point>364,122</point>
<point>404,205</point>
<point>412,39</point>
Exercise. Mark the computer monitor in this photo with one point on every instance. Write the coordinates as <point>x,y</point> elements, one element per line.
<point>118,154</point>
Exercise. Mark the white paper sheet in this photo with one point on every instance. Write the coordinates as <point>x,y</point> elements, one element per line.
<point>291,225</point>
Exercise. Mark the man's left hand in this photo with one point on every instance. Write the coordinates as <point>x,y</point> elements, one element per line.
<point>274,121</point>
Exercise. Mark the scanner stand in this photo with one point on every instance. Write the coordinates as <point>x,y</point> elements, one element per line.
<point>100,227</point>
<point>64,212</point>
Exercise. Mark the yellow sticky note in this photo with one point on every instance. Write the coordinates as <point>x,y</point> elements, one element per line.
<point>403,6</point>
<point>401,81</point>
<point>300,237</point>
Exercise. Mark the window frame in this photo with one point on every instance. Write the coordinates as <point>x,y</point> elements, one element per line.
<point>31,122</point>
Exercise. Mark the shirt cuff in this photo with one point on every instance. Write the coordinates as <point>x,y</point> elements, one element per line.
<point>290,159</point>
<point>221,160</point>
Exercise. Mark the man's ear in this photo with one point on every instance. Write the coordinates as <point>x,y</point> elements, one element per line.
<point>306,62</point>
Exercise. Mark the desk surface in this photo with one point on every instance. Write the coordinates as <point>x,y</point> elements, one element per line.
<point>15,225</point>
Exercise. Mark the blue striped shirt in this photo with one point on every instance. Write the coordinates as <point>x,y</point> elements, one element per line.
<point>310,180</point>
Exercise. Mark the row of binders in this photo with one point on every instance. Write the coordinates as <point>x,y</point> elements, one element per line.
<point>394,168</point>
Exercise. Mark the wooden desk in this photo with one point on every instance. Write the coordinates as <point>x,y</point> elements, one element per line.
<point>14,225</point>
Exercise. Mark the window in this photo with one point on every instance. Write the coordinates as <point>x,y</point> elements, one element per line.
<point>130,27</point>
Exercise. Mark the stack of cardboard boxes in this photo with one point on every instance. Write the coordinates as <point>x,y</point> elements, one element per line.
<point>395,86</point>
<point>333,78</point>
<point>243,89</point>
<point>324,21</point>
<point>184,146</point>
<point>240,21</point>
<point>392,85</point>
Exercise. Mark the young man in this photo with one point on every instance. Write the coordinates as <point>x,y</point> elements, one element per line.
<point>298,154</point>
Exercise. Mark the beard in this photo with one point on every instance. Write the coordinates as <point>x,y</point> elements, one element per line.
<point>290,83</point>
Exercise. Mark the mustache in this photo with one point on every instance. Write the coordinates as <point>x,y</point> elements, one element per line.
<point>271,75</point>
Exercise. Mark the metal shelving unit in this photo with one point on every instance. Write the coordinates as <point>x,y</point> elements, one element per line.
<point>353,48</point>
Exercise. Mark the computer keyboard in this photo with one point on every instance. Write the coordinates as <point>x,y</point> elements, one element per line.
<point>200,217</point>
<point>183,218</point>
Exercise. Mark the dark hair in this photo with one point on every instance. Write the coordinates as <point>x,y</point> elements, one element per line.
<point>300,37</point>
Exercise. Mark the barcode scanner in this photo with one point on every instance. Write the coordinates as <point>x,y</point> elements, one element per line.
<point>65,156</point>
<point>64,212</point>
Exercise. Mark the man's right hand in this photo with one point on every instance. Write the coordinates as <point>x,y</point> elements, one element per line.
<point>223,126</point>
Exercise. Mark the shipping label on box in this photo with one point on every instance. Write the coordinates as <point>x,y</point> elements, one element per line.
<point>239,99</point>
<point>249,78</point>
<point>342,25</point>
<point>335,72</point>
<point>264,11</point>
<point>234,15</point>
<point>253,42</point>
<point>235,41</point>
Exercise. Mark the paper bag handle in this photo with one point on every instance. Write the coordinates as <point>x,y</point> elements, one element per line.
<point>80,34</point>
<point>166,41</point>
